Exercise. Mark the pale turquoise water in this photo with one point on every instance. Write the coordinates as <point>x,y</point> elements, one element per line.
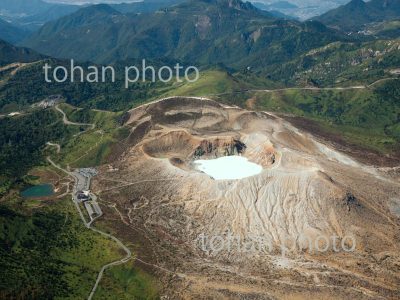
<point>228,167</point>
<point>41,190</point>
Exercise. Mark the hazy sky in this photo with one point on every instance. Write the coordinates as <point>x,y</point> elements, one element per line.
<point>90,1</point>
<point>298,2</point>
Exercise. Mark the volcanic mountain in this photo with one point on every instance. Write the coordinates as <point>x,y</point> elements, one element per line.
<point>306,194</point>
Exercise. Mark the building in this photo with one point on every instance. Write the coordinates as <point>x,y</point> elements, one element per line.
<point>83,196</point>
<point>90,210</point>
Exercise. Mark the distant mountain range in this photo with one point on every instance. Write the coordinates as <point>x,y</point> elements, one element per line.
<point>229,33</point>
<point>276,8</point>
<point>356,14</point>
<point>11,33</point>
<point>144,6</point>
<point>204,32</point>
<point>299,9</point>
<point>24,7</point>
<point>32,14</point>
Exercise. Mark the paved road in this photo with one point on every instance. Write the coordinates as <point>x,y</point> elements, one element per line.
<point>115,263</point>
<point>83,183</point>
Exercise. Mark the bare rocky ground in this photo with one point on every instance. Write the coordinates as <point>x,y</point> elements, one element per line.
<point>315,224</point>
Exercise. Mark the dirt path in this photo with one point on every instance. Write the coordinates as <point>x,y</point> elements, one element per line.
<point>58,147</point>
<point>91,148</point>
<point>68,122</point>
<point>356,87</point>
<point>16,66</point>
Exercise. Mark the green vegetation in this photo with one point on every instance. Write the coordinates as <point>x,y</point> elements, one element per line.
<point>233,33</point>
<point>385,29</point>
<point>252,48</point>
<point>10,54</point>
<point>355,14</point>
<point>213,82</point>
<point>92,147</point>
<point>365,117</point>
<point>47,253</point>
<point>341,64</point>
<point>127,282</point>
<point>28,86</point>
<point>335,64</point>
<point>22,140</point>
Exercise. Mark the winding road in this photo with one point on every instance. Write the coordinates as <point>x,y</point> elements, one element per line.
<point>88,225</point>
<point>81,182</point>
<point>68,122</point>
<point>78,183</point>
<point>58,147</point>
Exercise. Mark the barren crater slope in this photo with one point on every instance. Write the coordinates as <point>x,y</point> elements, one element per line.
<point>313,224</point>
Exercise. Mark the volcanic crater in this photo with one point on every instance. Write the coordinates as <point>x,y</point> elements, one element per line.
<point>306,188</point>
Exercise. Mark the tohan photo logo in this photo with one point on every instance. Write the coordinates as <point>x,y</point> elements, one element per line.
<point>132,74</point>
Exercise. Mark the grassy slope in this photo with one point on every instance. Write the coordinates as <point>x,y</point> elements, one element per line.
<point>214,82</point>
<point>124,281</point>
<point>91,147</point>
<point>32,229</point>
<point>341,64</point>
<point>367,117</point>
<point>127,282</point>
<point>210,82</point>
<point>356,115</point>
<point>47,252</point>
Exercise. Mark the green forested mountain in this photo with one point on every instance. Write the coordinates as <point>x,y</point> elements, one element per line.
<point>27,86</point>
<point>342,64</point>
<point>198,31</point>
<point>10,54</point>
<point>22,141</point>
<point>385,29</point>
<point>357,13</point>
<point>11,33</point>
